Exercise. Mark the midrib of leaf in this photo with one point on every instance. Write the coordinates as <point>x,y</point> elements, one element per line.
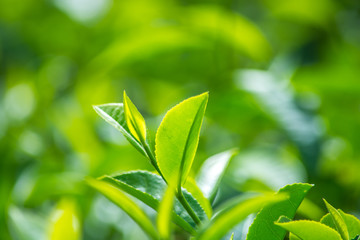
<point>185,150</point>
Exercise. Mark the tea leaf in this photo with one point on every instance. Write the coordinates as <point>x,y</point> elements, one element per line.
<point>134,120</point>
<point>263,227</point>
<point>193,188</point>
<point>113,113</point>
<point>308,230</point>
<point>226,220</point>
<point>149,188</point>
<point>177,138</point>
<point>338,221</point>
<point>212,171</point>
<point>164,213</point>
<point>65,223</point>
<point>352,223</point>
<point>126,204</point>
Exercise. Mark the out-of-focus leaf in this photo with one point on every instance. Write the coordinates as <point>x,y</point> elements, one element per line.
<point>263,227</point>
<point>226,220</point>
<point>65,223</point>
<point>126,204</point>
<point>212,171</point>
<point>310,210</point>
<point>293,237</point>
<point>164,213</point>
<point>149,188</point>
<point>114,114</point>
<point>352,223</point>
<point>308,230</point>
<point>134,120</point>
<point>193,188</point>
<point>232,237</point>
<point>27,225</point>
<point>231,28</point>
<point>339,222</point>
<point>321,11</point>
<point>177,138</point>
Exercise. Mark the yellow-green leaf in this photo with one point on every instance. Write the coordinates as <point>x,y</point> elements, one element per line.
<point>177,138</point>
<point>126,204</point>
<point>226,220</point>
<point>338,221</point>
<point>164,214</point>
<point>134,120</point>
<point>193,188</point>
<point>64,222</point>
<point>308,230</point>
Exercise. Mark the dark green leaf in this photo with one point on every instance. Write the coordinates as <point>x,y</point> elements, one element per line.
<point>149,188</point>
<point>126,204</point>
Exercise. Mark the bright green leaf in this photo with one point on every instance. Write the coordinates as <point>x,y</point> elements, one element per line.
<point>149,188</point>
<point>134,120</point>
<point>338,221</point>
<point>293,237</point>
<point>177,138</point>
<point>65,222</point>
<point>126,204</point>
<point>263,227</point>
<point>212,171</point>
<point>352,223</point>
<point>308,230</point>
<point>226,220</point>
<point>114,114</point>
<point>164,213</point>
<point>232,236</point>
<point>193,188</point>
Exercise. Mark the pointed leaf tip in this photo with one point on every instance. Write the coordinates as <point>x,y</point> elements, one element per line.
<point>134,120</point>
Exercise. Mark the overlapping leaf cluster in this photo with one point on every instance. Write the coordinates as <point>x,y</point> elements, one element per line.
<point>170,191</point>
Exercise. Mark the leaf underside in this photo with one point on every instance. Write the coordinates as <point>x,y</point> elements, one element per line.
<point>149,188</point>
<point>126,204</point>
<point>113,113</point>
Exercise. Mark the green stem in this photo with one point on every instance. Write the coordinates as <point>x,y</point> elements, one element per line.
<point>187,207</point>
<point>152,159</point>
<point>179,195</point>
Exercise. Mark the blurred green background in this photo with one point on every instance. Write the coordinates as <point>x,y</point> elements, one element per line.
<point>284,83</point>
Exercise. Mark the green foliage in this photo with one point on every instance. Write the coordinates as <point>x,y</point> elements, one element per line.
<point>212,172</point>
<point>338,221</point>
<point>149,188</point>
<point>268,215</point>
<point>114,114</point>
<point>309,230</point>
<point>224,221</point>
<point>134,120</point>
<point>176,143</point>
<point>177,139</point>
<point>334,225</point>
<point>126,204</point>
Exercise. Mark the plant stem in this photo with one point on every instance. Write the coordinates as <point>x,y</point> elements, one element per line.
<point>187,207</point>
<point>152,159</point>
<point>179,195</point>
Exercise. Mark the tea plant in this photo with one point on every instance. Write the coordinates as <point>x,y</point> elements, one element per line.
<point>187,202</point>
